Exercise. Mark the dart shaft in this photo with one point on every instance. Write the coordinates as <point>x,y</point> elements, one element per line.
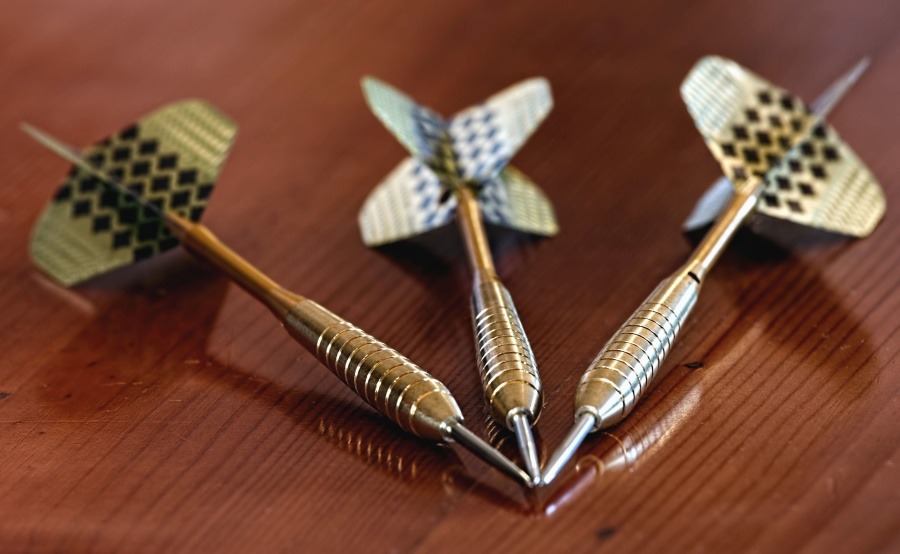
<point>474,236</point>
<point>627,365</point>
<point>390,383</point>
<point>509,374</point>
<point>720,234</point>
<point>202,242</point>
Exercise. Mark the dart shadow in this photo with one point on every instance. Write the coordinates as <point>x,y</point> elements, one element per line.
<point>814,331</point>
<point>103,370</point>
<point>770,239</point>
<point>174,269</point>
<point>437,259</point>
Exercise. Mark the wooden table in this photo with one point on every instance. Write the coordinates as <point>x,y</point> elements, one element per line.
<point>161,409</point>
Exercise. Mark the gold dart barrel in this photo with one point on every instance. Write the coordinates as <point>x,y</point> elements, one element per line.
<point>509,373</point>
<point>629,362</point>
<point>389,382</point>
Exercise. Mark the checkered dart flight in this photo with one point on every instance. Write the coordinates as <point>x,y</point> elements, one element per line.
<point>782,161</point>
<point>143,191</point>
<point>458,170</point>
<point>717,196</point>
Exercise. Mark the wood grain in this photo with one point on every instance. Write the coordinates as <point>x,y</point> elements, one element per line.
<point>161,409</point>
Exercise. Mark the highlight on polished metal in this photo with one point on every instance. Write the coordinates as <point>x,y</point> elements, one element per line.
<point>459,169</point>
<point>144,190</point>
<point>782,161</point>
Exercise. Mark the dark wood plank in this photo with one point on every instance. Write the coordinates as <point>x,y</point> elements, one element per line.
<point>161,409</point>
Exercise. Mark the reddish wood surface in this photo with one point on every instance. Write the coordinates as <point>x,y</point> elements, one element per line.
<point>161,409</point>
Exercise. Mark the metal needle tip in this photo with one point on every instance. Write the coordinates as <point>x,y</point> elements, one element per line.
<point>527,448</point>
<point>583,426</point>
<point>457,432</point>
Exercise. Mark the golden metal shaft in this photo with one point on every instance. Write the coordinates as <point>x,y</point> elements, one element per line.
<point>475,238</point>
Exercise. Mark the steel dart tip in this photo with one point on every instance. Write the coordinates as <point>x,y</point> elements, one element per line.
<point>457,432</point>
<point>527,447</point>
<point>583,426</point>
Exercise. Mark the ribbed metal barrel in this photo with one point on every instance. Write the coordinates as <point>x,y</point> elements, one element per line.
<point>628,363</point>
<point>509,373</point>
<point>384,378</point>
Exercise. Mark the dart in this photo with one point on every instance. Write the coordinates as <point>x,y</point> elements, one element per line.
<point>458,170</point>
<point>144,190</point>
<point>781,162</point>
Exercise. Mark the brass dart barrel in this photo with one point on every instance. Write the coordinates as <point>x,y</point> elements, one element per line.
<point>783,162</point>
<point>390,383</point>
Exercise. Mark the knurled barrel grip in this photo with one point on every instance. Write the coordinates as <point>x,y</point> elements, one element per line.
<point>390,383</point>
<point>508,370</point>
<point>628,363</point>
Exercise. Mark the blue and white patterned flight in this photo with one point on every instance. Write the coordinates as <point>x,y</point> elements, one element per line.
<point>472,149</point>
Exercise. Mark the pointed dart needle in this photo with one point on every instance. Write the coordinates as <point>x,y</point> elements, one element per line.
<point>527,448</point>
<point>583,426</point>
<point>457,432</point>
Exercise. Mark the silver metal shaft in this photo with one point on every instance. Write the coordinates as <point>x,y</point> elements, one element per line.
<point>527,447</point>
<point>455,431</point>
<point>583,426</point>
